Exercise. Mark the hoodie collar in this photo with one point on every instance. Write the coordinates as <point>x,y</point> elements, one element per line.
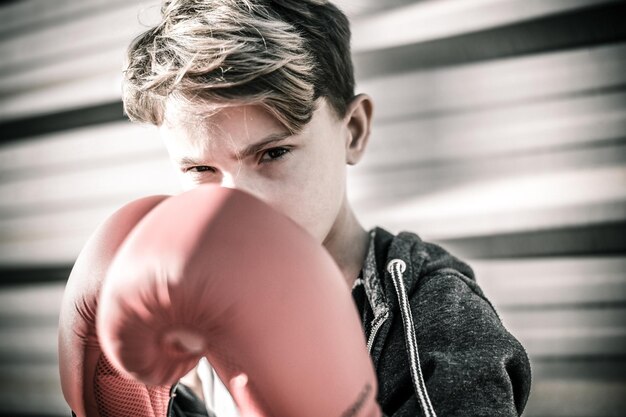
<point>372,279</point>
<point>383,248</point>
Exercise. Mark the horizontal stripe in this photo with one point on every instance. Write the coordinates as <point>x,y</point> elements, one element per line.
<point>65,120</point>
<point>601,239</point>
<point>581,367</point>
<point>10,276</point>
<point>585,27</point>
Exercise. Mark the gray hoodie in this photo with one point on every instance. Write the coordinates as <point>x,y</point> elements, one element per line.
<point>438,345</point>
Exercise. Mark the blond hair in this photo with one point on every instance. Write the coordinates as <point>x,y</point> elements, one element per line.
<point>281,54</point>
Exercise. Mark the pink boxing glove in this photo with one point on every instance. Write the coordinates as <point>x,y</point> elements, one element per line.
<point>91,386</point>
<point>215,272</point>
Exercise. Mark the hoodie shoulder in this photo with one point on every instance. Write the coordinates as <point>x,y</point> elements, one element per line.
<point>426,258</point>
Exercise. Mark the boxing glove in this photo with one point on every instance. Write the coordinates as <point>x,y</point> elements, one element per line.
<point>215,272</point>
<point>90,385</point>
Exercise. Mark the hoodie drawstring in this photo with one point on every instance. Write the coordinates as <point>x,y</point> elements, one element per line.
<point>396,267</point>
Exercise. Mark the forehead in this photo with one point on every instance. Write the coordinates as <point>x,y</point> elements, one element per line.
<point>200,127</point>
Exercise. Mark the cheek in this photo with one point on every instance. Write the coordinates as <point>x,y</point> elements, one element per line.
<point>313,196</point>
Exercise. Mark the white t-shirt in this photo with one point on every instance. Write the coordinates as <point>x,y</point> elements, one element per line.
<point>216,397</point>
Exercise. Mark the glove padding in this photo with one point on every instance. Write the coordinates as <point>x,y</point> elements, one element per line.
<point>215,272</point>
<point>90,385</point>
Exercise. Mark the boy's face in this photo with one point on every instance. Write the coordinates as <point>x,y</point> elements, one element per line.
<point>302,176</point>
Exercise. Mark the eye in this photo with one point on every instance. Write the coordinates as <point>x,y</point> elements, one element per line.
<point>200,168</point>
<point>274,154</point>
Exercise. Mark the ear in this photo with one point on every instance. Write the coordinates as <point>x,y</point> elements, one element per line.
<point>358,121</point>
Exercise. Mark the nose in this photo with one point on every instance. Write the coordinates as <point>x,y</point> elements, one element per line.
<point>228,181</point>
<point>241,182</point>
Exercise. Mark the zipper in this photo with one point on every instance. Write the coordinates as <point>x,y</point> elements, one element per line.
<point>377,325</point>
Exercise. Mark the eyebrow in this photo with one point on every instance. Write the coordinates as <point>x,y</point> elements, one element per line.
<point>255,147</point>
<point>248,151</point>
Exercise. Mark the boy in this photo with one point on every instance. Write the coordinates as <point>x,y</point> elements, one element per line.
<point>259,95</point>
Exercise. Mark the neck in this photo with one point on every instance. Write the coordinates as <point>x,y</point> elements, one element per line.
<point>347,243</point>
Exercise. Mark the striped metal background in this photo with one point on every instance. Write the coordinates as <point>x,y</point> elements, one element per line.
<point>500,132</point>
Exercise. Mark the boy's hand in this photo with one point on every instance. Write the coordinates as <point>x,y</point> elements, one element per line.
<point>215,272</point>
<point>91,386</point>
